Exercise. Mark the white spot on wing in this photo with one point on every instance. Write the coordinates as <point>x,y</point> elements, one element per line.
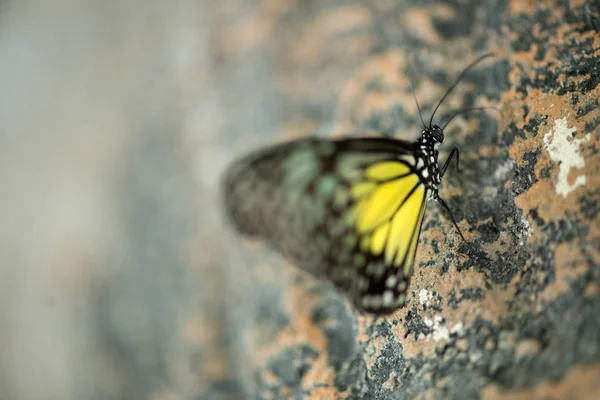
<point>401,286</point>
<point>388,297</point>
<point>376,301</point>
<point>566,153</point>
<point>391,281</point>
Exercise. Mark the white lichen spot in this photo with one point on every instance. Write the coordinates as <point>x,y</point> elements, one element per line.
<point>503,170</point>
<point>458,328</point>
<point>438,330</point>
<point>424,296</point>
<point>527,232</point>
<point>566,152</point>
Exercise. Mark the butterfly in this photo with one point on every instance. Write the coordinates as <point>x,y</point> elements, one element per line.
<point>348,210</point>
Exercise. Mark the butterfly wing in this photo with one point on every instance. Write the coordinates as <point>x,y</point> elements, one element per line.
<point>348,210</point>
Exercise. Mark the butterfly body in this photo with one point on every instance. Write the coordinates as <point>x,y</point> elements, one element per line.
<point>349,210</point>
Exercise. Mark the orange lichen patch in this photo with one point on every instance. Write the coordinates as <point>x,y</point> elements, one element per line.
<point>359,101</point>
<point>464,125</point>
<point>327,393</point>
<point>493,307</point>
<point>413,347</point>
<point>419,22</point>
<point>310,47</point>
<point>593,239</point>
<point>214,366</point>
<point>198,331</point>
<point>300,331</point>
<point>523,6</point>
<point>571,32</point>
<point>540,193</point>
<point>377,102</point>
<point>529,200</point>
<point>578,3</point>
<point>364,321</point>
<point>373,349</point>
<point>386,67</point>
<point>320,373</point>
<point>298,129</point>
<point>255,29</point>
<point>390,383</point>
<point>582,382</point>
<point>527,348</point>
<point>488,151</point>
<point>436,232</point>
<point>505,241</point>
<point>269,377</point>
<point>570,264</point>
<point>591,290</point>
<point>590,35</point>
<point>165,395</point>
<point>555,108</point>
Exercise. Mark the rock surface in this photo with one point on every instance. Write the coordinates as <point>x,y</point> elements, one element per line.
<point>515,317</point>
<point>121,278</point>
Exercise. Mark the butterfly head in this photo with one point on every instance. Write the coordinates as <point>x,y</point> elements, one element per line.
<point>430,140</point>
<point>433,135</point>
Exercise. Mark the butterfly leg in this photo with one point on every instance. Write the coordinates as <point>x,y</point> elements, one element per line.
<point>452,153</point>
<point>447,209</point>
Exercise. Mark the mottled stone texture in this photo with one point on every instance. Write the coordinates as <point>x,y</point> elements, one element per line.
<point>120,278</point>
<point>516,316</point>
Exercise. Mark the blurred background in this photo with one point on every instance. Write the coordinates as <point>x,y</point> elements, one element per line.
<point>110,154</point>
<point>118,276</point>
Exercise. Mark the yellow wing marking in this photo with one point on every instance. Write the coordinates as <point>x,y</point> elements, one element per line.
<point>403,228</point>
<point>410,257</point>
<point>379,238</point>
<point>387,215</point>
<point>386,170</point>
<point>362,188</point>
<point>354,213</point>
<point>383,202</point>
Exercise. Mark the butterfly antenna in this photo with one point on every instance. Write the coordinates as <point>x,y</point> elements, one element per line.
<point>458,79</point>
<point>468,111</point>
<point>447,209</point>
<point>412,87</point>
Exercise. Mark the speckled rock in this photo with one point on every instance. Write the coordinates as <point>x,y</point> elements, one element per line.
<point>121,278</point>
<point>517,315</point>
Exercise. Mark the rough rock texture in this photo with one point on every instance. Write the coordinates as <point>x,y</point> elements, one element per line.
<point>121,279</point>
<point>519,314</point>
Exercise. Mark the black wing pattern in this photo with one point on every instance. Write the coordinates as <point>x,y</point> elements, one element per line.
<point>347,210</point>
